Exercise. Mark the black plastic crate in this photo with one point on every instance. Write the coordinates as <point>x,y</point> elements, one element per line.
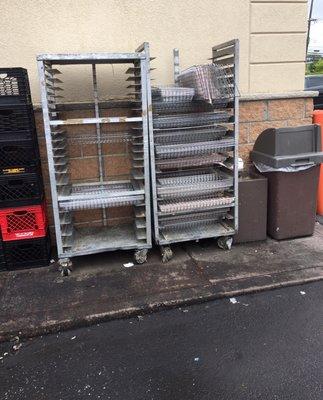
<point>2,260</point>
<point>29,253</point>
<point>18,155</point>
<point>21,189</point>
<point>14,86</point>
<point>17,121</point>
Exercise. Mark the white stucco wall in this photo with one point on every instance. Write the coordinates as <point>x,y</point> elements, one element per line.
<point>272,35</point>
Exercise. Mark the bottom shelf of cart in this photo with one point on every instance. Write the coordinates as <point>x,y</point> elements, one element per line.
<point>209,231</point>
<point>104,238</point>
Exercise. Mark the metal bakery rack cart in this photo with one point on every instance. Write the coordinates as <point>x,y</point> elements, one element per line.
<point>95,208</point>
<point>193,149</point>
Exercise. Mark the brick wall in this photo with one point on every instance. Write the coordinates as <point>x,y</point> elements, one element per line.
<point>257,115</point>
<point>84,164</point>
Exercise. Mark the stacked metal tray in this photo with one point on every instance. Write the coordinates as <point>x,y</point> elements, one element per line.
<point>193,150</point>
<point>192,182</point>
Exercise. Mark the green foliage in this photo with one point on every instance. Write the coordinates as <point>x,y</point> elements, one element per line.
<point>315,68</point>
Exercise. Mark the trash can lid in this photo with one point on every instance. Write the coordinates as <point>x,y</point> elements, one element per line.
<point>292,146</point>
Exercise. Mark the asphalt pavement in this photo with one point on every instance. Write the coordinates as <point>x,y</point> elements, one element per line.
<point>262,346</point>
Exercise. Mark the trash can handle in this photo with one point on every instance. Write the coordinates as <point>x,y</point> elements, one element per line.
<point>303,162</point>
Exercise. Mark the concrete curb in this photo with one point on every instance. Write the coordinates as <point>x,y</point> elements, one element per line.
<point>181,298</point>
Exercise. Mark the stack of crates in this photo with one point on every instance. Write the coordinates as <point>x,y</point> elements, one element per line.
<point>25,238</point>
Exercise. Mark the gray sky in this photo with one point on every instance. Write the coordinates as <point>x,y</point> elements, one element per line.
<point>317,9</point>
<point>316,36</point>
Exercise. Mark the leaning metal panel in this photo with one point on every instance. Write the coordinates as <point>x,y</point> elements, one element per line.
<point>227,55</point>
<point>76,193</point>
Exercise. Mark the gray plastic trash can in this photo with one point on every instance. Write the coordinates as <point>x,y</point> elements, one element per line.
<point>292,194</point>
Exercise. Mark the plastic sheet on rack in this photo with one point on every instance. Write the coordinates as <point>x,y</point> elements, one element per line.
<point>266,168</point>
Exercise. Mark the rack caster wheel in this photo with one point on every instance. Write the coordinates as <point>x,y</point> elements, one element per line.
<point>225,242</point>
<point>140,256</point>
<point>166,253</point>
<point>65,266</point>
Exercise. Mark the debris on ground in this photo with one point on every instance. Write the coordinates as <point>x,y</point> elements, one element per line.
<point>73,337</point>
<point>196,359</point>
<point>233,300</point>
<point>17,346</point>
<point>128,265</point>
<point>302,292</point>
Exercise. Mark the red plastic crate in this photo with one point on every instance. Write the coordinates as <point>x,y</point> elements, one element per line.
<point>20,223</point>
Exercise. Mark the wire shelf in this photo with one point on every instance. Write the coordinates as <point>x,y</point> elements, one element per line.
<point>188,222</point>
<point>181,186</point>
<point>194,177</point>
<point>102,202</point>
<point>95,239</point>
<point>113,137</point>
<point>207,188</point>
<point>172,94</point>
<point>189,176</point>
<point>191,149</point>
<point>194,119</point>
<point>192,204</point>
<point>101,195</point>
<point>174,129</point>
<point>213,132</point>
<point>177,107</point>
<point>214,230</point>
<point>186,162</point>
<point>101,188</point>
